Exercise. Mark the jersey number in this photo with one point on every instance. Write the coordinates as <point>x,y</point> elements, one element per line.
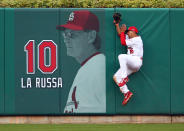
<point>131,50</point>
<point>49,45</point>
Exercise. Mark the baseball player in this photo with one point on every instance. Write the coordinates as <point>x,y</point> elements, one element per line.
<point>88,91</point>
<point>130,62</point>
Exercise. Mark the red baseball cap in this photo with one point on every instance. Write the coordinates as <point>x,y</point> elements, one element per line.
<point>81,20</point>
<point>133,28</point>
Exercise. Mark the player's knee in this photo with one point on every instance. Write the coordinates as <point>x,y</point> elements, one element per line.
<point>114,78</point>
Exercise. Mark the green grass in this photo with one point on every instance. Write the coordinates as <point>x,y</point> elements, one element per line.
<point>93,127</point>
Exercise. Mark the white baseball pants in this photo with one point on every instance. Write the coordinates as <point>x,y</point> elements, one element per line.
<point>128,65</point>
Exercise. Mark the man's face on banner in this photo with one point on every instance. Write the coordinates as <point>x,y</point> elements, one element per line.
<point>76,42</point>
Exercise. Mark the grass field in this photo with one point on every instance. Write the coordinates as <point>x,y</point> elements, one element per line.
<point>94,127</point>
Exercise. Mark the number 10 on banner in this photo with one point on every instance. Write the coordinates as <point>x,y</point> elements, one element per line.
<point>49,45</point>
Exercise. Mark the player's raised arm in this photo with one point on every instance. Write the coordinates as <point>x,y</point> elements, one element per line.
<point>122,34</point>
<point>118,29</point>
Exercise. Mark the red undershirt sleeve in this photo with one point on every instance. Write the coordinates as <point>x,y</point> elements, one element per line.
<point>122,38</point>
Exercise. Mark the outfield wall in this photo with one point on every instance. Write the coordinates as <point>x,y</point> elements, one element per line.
<point>33,52</point>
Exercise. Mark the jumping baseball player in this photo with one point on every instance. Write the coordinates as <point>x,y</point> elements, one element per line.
<point>130,62</point>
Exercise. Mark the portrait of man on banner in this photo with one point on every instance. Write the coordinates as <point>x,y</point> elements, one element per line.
<point>81,38</point>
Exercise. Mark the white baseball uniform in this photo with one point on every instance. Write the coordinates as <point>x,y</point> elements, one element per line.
<point>88,91</point>
<point>130,62</point>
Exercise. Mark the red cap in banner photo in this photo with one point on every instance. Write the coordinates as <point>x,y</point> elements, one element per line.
<point>133,28</point>
<point>81,20</point>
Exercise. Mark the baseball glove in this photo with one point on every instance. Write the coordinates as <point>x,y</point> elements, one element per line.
<point>117,18</point>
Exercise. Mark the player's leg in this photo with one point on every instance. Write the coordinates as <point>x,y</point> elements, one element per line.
<point>123,58</point>
<point>134,63</point>
<point>123,64</point>
<point>120,76</point>
<point>117,76</point>
<point>124,89</point>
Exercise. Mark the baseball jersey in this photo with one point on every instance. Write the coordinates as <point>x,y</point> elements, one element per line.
<point>88,91</point>
<point>134,45</point>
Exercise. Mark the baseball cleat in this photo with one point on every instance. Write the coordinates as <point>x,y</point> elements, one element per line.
<point>123,82</point>
<point>127,97</point>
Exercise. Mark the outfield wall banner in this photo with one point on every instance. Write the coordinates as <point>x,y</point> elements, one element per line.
<point>62,62</point>
<point>58,71</point>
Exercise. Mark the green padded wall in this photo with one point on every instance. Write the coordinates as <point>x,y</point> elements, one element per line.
<point>177,61</point>
<point>151,85</point>
<point>110,61</point>
<point>9,62</point>
<point>1,61</point>
<point>157,87</point>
